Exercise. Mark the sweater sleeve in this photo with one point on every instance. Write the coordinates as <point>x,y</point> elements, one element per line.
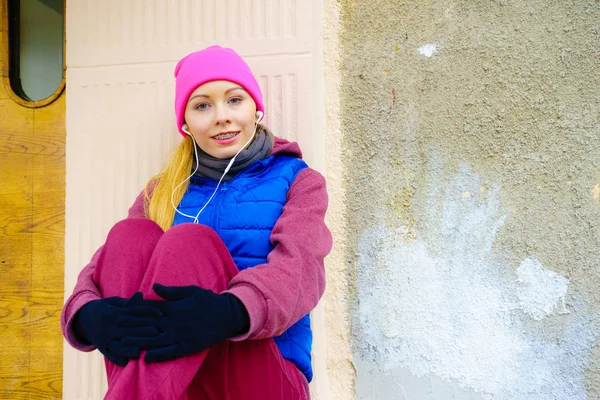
<point>289,285</point>
<point>86,290</point>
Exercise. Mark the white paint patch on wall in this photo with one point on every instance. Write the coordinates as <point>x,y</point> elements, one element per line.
<point>539,290</point>
<point>447,305</point>
<point>428,50</point>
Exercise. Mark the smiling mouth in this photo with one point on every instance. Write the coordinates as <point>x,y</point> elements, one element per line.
<point>225,136</point>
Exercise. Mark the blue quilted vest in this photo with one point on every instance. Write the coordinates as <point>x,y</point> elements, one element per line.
<point>243,212</point>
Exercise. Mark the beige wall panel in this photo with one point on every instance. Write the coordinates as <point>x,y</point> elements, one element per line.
<point>120,118</point>
<point>118,32</point>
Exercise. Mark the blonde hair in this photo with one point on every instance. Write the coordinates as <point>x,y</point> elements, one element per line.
<point>158,192</point>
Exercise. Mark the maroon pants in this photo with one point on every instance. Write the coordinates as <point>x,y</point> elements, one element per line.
<point>138,254</point>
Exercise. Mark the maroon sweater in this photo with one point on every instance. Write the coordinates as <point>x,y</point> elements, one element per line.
<point>277,293</point>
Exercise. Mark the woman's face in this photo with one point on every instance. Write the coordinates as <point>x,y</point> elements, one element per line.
<point>221,117</point>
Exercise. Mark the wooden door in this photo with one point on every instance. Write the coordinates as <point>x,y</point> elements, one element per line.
<point>32,203</point>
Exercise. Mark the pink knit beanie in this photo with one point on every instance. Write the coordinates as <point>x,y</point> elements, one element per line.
<point>212,64</point>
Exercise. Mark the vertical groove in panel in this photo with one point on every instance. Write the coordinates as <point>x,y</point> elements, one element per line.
<point>137,25</point>
<point>131,14</point>
<point>152,152</point>
<point>144,135</point>
<point>156,155</point>
<point>174,21</point>
<point>263,82</point>
<point>253,11</point>
<point>266,28</point>
<point>92,30</point>
<point>140,142</point>
<point>194,21</point>
<point>115,24</point>
<point>291,19</point>
<point>147,18</point>
<point>154,164</point>
<point>239,21</point>
<point>95,378</point>
<point>274,18</point>
<point>91,189</point>
<point>158,23</point>
<point>165,18</point>
<point>179,21</point>
<point>99,187</point>
<point>146,23</point>
<point>97,366</point>
<point>285,102</point>
<point>171,133</point>
<point>88,194</point>
<point>282,18</point>
<point>238,25</point>
<point>119,166</point>
<point>220,18</point>
<point>151,23</point>
<point>228,20</point>
<point>125,26</point>
<point>245,20</point>
<point>292,112</point>
<point>187,25</point>
<point>269,17</point>
<point>80,10</point>
<point>196,18</point>
<point>101,374</point>
<point>129,161</point>
<point>162,19</point>
<point>208,14</point>
<point>268,5</point>
<point>214,24</point>
<point>277,103</point>
<point>102,21</point>
<point>84,377</point>
<point>234,23</point>
<point>259,20</point>
<point>205,20</point>
<point>137,32</point>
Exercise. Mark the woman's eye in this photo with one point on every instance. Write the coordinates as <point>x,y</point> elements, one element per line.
<point>202,106</point>
<point>236,100</point>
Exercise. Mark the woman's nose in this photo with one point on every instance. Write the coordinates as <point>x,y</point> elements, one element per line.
<point>222,115</point>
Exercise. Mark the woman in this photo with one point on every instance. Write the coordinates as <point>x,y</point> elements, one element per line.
<point>204,291</point>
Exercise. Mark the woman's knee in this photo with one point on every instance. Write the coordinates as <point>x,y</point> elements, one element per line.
<point>196,246</point>
<point>136,234</point>
<point>199,237</point>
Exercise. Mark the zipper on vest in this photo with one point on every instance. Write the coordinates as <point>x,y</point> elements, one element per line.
<point>217,207</point>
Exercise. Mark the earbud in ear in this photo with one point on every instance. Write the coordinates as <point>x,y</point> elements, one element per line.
<point>184,128</point>
<point>259,116</point>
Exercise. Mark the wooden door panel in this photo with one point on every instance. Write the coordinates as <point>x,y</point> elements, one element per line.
<point>32,202</point>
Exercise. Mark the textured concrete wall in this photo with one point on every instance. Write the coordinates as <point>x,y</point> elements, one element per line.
<point>339,369</point>
<point>471,158</point>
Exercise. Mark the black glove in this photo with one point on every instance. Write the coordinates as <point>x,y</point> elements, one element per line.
<point>194,319</point>
<point>105,322</point>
